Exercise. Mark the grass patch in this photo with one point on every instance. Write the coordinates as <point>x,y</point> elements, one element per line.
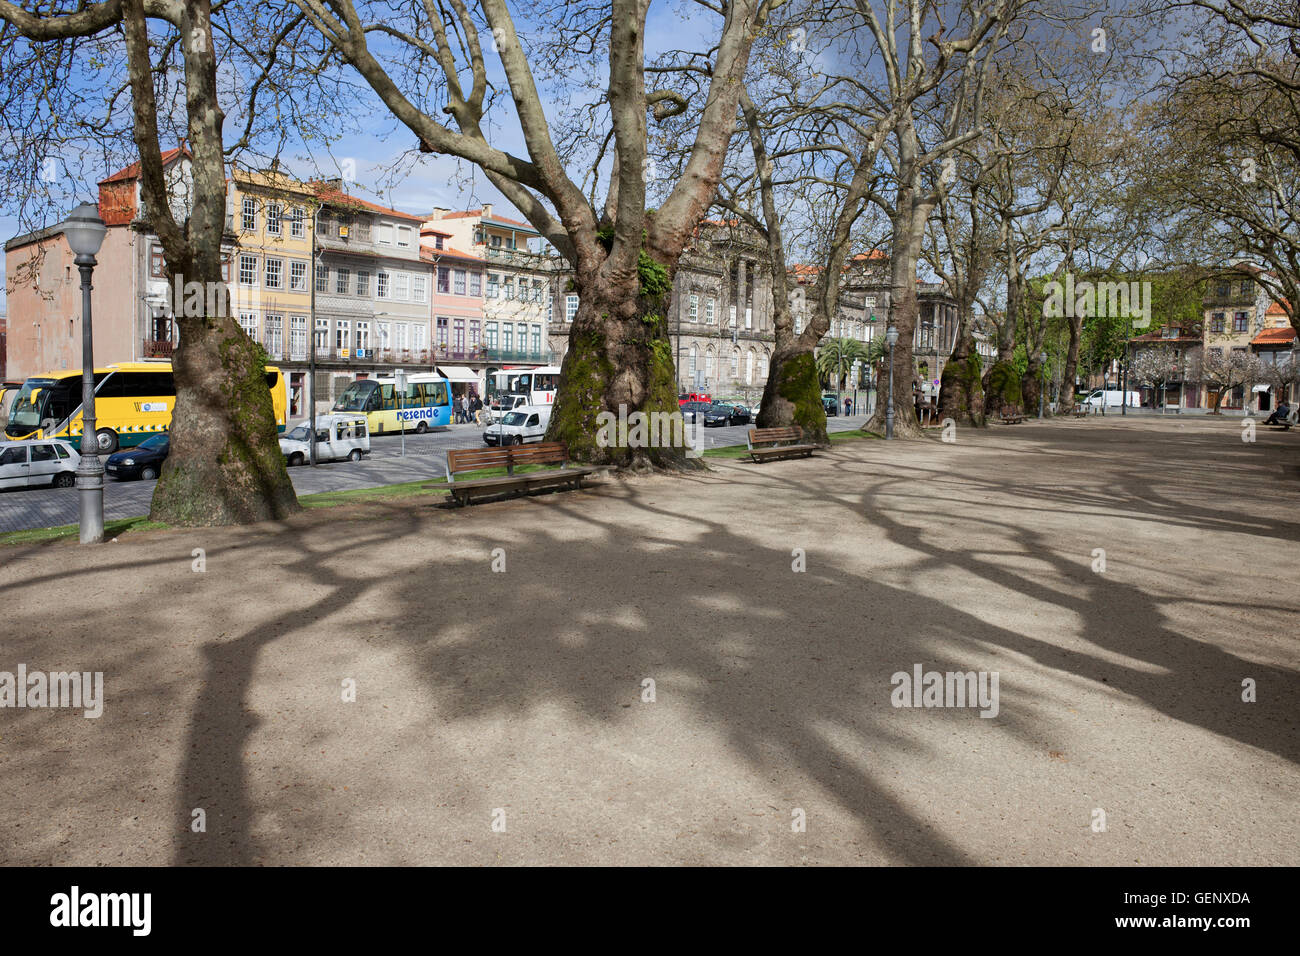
<point>856,435</point>
<point>727,451</point>
<point>111,530</point>
<point>406,489</point>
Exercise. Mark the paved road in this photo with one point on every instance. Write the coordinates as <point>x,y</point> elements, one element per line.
<point>424,458</point>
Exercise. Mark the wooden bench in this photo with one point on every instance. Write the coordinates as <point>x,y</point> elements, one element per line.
<point>1080,411</point>
<point>461,460</point>
<point>1013,415</point>
<point>765,443</point>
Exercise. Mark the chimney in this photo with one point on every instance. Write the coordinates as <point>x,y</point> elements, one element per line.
<point>487,211</point>
<point>439,212</point>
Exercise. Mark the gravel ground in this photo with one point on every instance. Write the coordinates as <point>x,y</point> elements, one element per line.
<point>518,698</point>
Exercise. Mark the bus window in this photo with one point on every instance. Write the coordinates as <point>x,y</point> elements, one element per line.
<point>387,398</point>
<point>435,393</point>
<point>525,384</point>
<point>356,397</point>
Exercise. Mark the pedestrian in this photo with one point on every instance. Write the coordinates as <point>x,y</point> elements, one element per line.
<point>848,406</point>
<point>464,409</point>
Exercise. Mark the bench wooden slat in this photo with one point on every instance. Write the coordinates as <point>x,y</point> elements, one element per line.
<point>775,443</point>
<point>460,460</point>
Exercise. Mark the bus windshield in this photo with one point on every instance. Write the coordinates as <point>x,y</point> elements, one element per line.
<point>356,396</point>
<point>25,413</point>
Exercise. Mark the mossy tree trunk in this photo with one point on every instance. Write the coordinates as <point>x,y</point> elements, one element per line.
<point>793,395</point>
<point>961,392</point>
<point>225,465</point>
<point>620,361</point>
<point>903,311</point>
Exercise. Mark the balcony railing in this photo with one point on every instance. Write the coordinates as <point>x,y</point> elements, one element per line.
<point>510,355</point>
<point>158,348</point>
<point>446,353</point>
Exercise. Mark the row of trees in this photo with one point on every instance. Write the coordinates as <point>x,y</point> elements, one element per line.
<point>987,142</point>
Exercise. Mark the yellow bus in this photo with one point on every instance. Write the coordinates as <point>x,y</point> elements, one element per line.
<point>426,404</point>
<point>133,400</point>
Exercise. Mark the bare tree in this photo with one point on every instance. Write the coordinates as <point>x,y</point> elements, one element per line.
<point>225,465</point>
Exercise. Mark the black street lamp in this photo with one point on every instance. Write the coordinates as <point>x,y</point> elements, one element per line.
<point>891,339</point>
<point>85,233</point>
<point>1042,375</point>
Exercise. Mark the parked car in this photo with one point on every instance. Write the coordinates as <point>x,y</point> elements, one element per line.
<point>1113,398</point>
<point>337,437</point>
<point>41,461</point>
<point>143,461</point>
<point>527,423</point>
<point>685,397</point>
<point>726,413</point>
<point>831,404</point>
<point>693,410</point>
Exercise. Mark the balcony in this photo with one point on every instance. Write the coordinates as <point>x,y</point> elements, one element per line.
<point>447,353</point>
<point>523,358</point>
<point>158,348</point>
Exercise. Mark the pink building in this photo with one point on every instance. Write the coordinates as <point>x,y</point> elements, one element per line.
<point>457,309</point>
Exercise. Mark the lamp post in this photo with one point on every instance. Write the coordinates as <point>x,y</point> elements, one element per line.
<point>891,338</point>
<point>1042,376</point>
<point>85,233</point>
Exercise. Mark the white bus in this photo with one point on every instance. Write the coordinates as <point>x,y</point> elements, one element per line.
<point>523,386</point>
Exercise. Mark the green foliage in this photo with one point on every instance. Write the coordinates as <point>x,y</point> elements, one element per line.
<point>835,357</point>
<point>654,277</point>
<point>800,386</point>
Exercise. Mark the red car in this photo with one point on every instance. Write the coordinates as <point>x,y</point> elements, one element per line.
<point>685,397</point>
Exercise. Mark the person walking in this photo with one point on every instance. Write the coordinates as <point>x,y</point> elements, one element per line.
<point>848,406</point>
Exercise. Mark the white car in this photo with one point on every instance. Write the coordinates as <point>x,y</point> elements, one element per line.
<point>337,437</point>
<point>38,461</point>
<point>527,423</point>
<point>1114,398</point>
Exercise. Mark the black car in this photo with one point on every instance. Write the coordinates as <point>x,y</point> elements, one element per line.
<point>830,404</point>
<point>693,410</point>
<point>143,461</point>
<point>724,413</point>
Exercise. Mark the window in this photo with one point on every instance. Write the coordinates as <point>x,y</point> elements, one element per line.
<point>322,334</point>
<point>1217,353</point>
<point>401,286</point>
<point>522,330</point>
<point>710,316</point>
<point>458,327</point>
<point>275,273</point>
<point>298,337</point>
<point>157,265</point>
<point>324,225</point>
<point>762,366</point>
<point>386,233</point>
<point>250,215</point>
<point>248,270</point>
<point>363,336</point>
<point>442,333</point>
<point>43,453</point>
<point>1217,322</point>
<point>296,223</point>
<point>342,281</point>
<point>733,316</point>
<point>403,335</point>
<point>708,365</point>
<point>475,284</point>
<point>749,367</point>
<point>298,276</point>
<point>496,242</point>
<point>248,322</point>
<point>735,363</point>
<point>749,317</point>
<point>437,242</point>
<point>1224,289</point>
<point>507,337</point>
<point>694,355</point>
<point>421,334</point>
<point>403,235</point>
<point>570,307</point>
<point>459,282</point>
<point>419,288</point>
<point>322,277</point>
<point>537,340</point>
<point>1239,322</point>
<point>475,336</point>
<point>383,290</point>
<point>695,308</point>
<point>490,335</point>
<point>363,282</point>
<point>444,279</point>
<point>274,335</point>
<point>342,334</point>
<point>273,213</point>
<point>510,287</point>
<point>493,286</point>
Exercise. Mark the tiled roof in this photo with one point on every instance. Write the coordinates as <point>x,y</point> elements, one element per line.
<point>133,171</point>
<point>1276,308</point>
<point>335,196</point>
<point>1274,337</point>
<point>432,254</point>
<point>478,213</point>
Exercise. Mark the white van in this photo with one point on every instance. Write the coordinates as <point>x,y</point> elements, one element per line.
<point>337,437</point>
<point>49,461</point>
<point>1114,398</point>
<point>527,423</point>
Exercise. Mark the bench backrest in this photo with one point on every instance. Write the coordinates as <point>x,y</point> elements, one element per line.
<point>472,459</point>
<point>764,436</point>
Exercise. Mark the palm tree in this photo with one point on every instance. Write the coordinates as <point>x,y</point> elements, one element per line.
<point>835,358</point>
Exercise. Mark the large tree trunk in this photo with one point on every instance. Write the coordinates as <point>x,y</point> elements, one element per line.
<point>1066,403</point>
<point>225,465</point>
<point>903,311</point>
<point>961,393</point>
<point>792,394</point>
<point>1002,385</point>
<point>620,361</point>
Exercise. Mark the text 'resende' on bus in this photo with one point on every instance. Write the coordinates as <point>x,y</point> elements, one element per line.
<point>426,404</point>
<point>133,400</point>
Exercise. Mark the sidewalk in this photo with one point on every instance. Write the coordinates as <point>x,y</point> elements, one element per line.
<point>521,696</point>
